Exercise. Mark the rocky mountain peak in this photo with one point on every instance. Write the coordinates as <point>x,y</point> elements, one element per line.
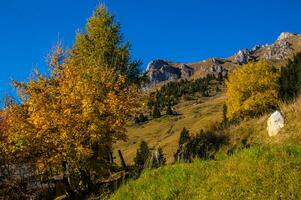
<point>156,64</point>
<point>285,36</point>
<point>284,47</point>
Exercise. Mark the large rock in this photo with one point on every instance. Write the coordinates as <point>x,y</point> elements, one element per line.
<point>243,56</point>
<point>160,70</point>
<point>186,71</point>
<point>275,123</point>
<point>281,49</point>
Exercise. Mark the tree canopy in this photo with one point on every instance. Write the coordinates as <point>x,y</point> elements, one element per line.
<point>68,121</point>
<point>252,90</point>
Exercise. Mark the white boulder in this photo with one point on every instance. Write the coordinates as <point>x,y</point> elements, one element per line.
<point>275,123</point>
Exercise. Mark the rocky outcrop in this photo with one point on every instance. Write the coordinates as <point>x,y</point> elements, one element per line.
<point>218,61</point>
<point>275,123</point>
<point>285,36</point>
<point>160,70</point>
<point>186,71</point>
<point>284,47</point>
<point>243,56</point>
<point>279,50</point>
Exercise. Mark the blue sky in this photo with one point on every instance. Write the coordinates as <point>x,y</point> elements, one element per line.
<point>177,30</point>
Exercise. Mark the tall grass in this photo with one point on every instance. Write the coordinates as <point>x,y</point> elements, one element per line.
<point>255,173</point>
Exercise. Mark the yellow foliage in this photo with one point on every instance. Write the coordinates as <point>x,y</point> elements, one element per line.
<point>251,90</point>
<point>71,118</point>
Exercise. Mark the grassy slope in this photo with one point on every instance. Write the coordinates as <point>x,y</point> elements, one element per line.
<point>270,169</point>
<point>254,173</point>
<point>165,131</point>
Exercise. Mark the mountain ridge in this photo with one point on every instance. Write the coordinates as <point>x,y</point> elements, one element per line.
<point>159,71</point>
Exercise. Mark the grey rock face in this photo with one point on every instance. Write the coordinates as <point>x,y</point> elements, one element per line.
<point>243,56</point>
<point>186,71</point>
<point>279,50</point>
<point>218,69</point>
<point>217,61</point>
<point>160,70</point>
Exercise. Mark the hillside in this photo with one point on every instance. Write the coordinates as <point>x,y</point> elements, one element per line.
<point>254,173</point>
<point>165,131</point>
<point>269,168</point>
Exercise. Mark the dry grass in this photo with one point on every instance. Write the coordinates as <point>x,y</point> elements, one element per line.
<point>165,131</point>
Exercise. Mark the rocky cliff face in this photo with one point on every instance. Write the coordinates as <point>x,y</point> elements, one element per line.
<point>284,47</point>
<point>162,70</point>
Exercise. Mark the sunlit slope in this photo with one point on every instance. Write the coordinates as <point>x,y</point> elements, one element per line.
<point>267,172</point>
<point>165,131</point>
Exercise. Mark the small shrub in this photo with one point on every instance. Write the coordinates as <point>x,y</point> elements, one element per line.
<point>203,145</point>
<point>140,118</point>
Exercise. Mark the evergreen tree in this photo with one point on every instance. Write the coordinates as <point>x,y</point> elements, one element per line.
<point>225,118</point>
<point>290,80</point>
<point>142,155</point>
<point>156,111</point>
<point>184,137</point>
<point>169,110</point>
<point>158,158</point>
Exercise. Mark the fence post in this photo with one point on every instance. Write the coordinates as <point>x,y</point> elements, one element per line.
<point>122,160</point>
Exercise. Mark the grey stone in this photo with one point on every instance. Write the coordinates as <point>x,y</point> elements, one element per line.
<point>275,123</point>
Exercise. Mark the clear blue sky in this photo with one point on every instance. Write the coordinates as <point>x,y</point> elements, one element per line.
<point>176,30</point>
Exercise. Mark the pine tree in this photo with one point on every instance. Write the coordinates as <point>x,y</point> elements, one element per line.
<point>184,137</point>
<point>158,158</point>
<point>156,111</point>
<point>142,155</point>
<point>225,118</point>
<point>169,110</point>
<point>290,80</point>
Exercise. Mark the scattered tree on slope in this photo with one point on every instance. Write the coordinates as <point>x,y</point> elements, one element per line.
<point>252,90</point>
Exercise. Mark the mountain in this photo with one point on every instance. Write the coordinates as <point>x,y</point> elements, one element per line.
<point>284,47</point>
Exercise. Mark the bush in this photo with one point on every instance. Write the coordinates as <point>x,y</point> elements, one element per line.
<point>252,90</point>
<point>140,118</point>
<point>203,145</point>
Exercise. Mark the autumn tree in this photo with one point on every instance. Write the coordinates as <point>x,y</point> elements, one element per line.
<point>68,121</point>
<point>251,90</point>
